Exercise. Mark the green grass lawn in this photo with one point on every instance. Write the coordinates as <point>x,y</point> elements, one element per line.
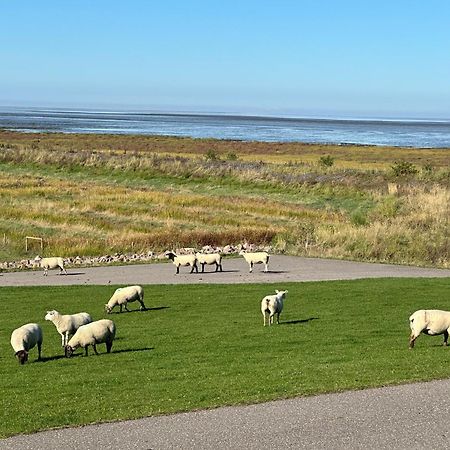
<point>203,346</point>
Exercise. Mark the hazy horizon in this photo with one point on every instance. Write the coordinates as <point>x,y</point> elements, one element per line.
<point>299,58</point>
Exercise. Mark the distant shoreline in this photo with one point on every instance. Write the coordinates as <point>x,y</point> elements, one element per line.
<point>409,133</point>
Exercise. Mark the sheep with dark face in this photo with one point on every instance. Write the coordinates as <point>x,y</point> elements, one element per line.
<point>99,332</point>
<point>125,295</point>
<point>23,339</point>
<point>183,260</point>
<point>210,258</point>
<point>273,304</point>
<point>431,322</point>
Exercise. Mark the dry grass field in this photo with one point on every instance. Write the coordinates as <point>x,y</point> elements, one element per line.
<point>99,194</point>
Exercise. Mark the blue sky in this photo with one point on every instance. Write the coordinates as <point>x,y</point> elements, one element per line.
<point>307,58</point>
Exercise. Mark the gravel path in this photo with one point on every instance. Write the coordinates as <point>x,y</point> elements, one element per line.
<point>401,417</point>
<point>282,269</point>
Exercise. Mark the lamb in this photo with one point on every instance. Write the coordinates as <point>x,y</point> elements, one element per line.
<point>273,304</point>
<point>67,325</point>
<point>183,260</point>
<point>256,258</point>
<point>125,295</point>
<point>24,339</point>
<point>51,263</point>
<point>101,331</point>
<point>431,322</point>
<point>210,258</point>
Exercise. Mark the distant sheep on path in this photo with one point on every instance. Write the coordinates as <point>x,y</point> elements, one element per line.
<point>256,258</point>
<point>183,260</point>
<point>51,263</point>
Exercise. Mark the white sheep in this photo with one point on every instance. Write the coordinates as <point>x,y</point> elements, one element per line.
<point>125,295</point>
<point>210,258</point>
<point>256,258</point>
<point>273,304</point>
<point>51,263</point>
<point>99,332</point>
<point>67,324</point>
<point>24,339</point>
<point>431,322</point>
<point>183,260</point>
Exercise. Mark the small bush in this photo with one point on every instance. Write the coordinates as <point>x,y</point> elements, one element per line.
<point>211,155</point>
<point>326,161</point>
<point>403,168</point>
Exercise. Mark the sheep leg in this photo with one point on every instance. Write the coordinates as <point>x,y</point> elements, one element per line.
<point>86,350</point>
<point>220,266</point>
<point>251,267</point>
<point>203,267</point>
<point>39,346</point>
<point>446,338</point>
<point>142,308</point>
<point>278,318</point>
<point>178,270</point>
<point>95,349</point>
<point>266,267</point>
<point>120,308</point>
<point>270,319</point>
<point>108,347</point>
<point>125,305</point>
<point>412,340</point>
<point>63,339</point>
<point>45,272</point>
<point>61,269</point>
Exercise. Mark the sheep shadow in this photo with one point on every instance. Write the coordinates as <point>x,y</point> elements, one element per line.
<point>128,350</point>
<point>52,358</point>
<point>75,273</point>
<point>276,271</point>
<point>296,322</point>
<point>155,308</point>
<point>218,271</point>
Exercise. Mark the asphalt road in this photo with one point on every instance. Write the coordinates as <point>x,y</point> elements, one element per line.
<point>281,269</point>
<point>411,416</point>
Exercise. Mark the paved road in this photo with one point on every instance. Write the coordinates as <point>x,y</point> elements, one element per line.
<point>413,416</point>
<point>403,417</point>
<point>282,269</point>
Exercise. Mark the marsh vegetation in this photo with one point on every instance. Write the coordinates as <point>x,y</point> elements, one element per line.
<point>99,194</point>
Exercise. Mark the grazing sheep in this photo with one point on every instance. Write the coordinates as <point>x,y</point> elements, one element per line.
<point>256,258</point>
<point>51,263</point>
<point>25,338</point>
<point>125,295</point>
<point>183,260</point>
<point>99,332</point>
<point>67,325</point>
<point>210,258</point>
<point>273,304</point>
<point>431,322</point>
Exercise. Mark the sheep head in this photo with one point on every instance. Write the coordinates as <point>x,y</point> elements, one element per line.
<point>108,309</point>
<point>68,351</point>
<point>51,314</point>
<point>22,356</point>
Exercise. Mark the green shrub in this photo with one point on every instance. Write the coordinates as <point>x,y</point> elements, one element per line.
<point>403,168</point>
<point>326,161</point>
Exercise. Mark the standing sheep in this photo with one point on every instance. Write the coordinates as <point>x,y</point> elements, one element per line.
<point>256,258</point>
<point>99,332</point>
<point>24,339</point>
<point>125,295</point>
<point>273,304</point>
<point>51,263</point>
<point>431,322</point>
<point>183,260</point>
<point>210,258</point>
<point>67,325</point>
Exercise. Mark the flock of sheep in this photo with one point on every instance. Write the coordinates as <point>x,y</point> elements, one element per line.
<point>85,332</point>
<point>79,327</point>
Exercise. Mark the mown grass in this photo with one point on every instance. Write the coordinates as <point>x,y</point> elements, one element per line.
<point>203,346</point>
<point>91,195</point>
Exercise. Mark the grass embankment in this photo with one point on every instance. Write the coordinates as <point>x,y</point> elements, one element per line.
<point>196,348</point>
<point>91,194</point>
